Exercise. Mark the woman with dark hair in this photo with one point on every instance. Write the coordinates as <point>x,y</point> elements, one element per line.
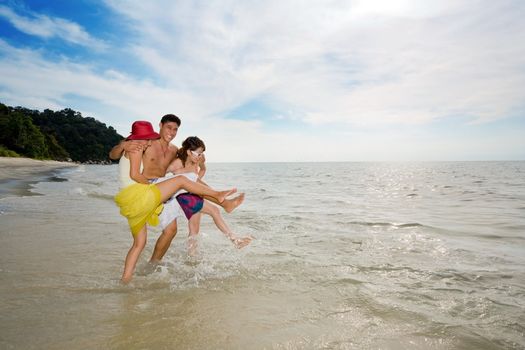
<point>187,165</point>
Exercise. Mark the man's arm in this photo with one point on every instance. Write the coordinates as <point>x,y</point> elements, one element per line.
<point>116,151</point>
<point>128,146</point>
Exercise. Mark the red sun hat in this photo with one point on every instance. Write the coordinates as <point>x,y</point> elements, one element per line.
<point>142,130</point>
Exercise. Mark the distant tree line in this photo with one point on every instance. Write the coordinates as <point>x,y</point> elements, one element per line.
<point>62,135</point>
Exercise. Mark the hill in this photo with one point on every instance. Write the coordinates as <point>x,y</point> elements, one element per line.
<point>61,135</point>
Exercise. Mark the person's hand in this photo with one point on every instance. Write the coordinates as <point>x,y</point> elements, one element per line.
<point>133,146</point>
<point>202,167</point>
<point>202,159</point>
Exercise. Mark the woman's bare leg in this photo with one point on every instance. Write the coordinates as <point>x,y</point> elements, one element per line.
<point>194,225</point>
<point>171,186</point>
<point>229,205</point>
<point>214,212</point>
<point>139,242</point>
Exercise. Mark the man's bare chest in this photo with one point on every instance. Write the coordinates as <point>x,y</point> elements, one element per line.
<point>157,157</point>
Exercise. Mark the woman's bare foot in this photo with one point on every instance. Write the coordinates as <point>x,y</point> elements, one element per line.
<point>221,195</point>
<point>125,280</point>
<point>229,205</point>
<point>241,242</point>
<point>192,245</point>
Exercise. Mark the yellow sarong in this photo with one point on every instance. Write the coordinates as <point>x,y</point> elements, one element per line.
<point>140,204</point>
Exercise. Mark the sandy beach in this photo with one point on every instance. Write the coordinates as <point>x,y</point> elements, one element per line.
<point>16,174</point>
<point>19,168</point>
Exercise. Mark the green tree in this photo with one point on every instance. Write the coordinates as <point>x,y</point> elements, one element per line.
<point>66,134</point>
<point>22,136</point>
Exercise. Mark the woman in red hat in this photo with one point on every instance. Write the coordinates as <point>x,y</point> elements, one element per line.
<point>141,202</point>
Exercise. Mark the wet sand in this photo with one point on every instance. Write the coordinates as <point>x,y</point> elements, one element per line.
<point>17,174</point>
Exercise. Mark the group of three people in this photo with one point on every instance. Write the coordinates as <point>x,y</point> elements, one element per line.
<point>160,183</point>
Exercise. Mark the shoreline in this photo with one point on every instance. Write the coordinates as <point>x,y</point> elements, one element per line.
<point>18,174</point>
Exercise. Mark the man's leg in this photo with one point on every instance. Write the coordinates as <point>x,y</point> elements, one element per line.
<point>164,242</point>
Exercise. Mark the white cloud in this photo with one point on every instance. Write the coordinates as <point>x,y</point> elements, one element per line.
<point>406,8</point>
<point>363,62</point>
<point>361,66</point>
<point>48,27</point>
<point>50,83</point>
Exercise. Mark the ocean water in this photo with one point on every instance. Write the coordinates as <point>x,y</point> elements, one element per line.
<point>346,256</point>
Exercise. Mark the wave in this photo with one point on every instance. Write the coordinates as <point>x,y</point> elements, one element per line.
<point>270,197</point>
<point>498,237</point>
<point>56,178</point>
<point>387,224</point>
<point>78,190</point>
<point>101,196</point>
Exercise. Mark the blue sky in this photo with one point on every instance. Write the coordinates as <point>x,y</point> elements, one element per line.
<point>277,80</point>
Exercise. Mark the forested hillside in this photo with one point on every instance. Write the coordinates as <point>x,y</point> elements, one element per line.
<point>61,135</point>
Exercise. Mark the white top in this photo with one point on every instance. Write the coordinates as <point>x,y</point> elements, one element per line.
<point>124,166</point>
<point>191,176</point>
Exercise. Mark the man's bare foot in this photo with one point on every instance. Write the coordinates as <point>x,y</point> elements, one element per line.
<point>229,205</point>
<point>221,195</point>
<point>150,267</point>
<point>242,242</point>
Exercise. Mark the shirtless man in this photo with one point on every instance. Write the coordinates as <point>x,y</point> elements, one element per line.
<point>155,160</point>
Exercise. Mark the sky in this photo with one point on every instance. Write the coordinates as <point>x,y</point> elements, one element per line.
<point>282,80</point>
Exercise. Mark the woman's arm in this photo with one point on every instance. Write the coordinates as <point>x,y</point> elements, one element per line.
<point>174,166</point>
<point>135,159</point>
